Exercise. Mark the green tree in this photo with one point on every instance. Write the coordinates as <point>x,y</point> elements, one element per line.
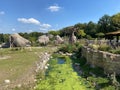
<point>81,33</point>
<point>104,24</point>
<point>54,32</point>
<point>66,31</point>
<point>1,38</point>
<point>6,37</point>
<point>116,22</point>
<point>100,35</point>
<point>80,26</point>
<point>91,29</point>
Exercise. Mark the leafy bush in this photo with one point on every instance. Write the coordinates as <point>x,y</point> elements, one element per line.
<point>104,47</point>
<point>93,46</point>
<point>115,51</point>
<point>70,48</point>
<point>89,37</point>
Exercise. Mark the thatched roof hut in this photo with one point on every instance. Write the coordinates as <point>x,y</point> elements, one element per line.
<point>114,33</point>
<point>18,41</point>
<point>111,34</point>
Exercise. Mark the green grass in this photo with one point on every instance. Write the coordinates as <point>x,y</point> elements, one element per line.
<point>19,63</point>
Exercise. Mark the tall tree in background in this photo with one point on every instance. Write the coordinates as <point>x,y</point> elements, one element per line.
<point>80,26</point>
<point>1,38</point>
<point>65,31</point>
<point>54,32</point>
<point>91,29</point>
<point>104,24</point>
<point>116,22</point>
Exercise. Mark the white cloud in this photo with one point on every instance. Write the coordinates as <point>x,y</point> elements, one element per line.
<point>54,8</point>
<point>42,26</point>
<point>43,29</point>
<point>46,26</point>
<point>29,21</point>
<point>2,12</point>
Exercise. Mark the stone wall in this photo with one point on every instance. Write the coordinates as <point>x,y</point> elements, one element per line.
<point>108,61</point>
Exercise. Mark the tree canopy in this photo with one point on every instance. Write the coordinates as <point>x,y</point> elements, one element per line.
<point>104,24</point>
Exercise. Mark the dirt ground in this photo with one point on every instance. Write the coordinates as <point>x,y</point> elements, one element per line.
<point>24,81</point>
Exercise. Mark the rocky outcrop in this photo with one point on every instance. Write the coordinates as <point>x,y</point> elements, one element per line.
<point>18,41</point>
<point>43,39</point>
<point>58,40</point>
<point>72,38</point>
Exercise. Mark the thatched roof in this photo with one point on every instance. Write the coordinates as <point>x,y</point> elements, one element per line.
<point>18,41</point>
<point>114,33</point>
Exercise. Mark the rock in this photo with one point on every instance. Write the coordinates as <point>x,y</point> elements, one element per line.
<point>77,64</point>
<point>46,67</point>
<point>35,80</point>
<point>18,41</point>
<point>58,40</point>
<point>68,54</point>
<point>43,39</point>
<point>19,85</point>
<point>48,64</point>
<point>7,81</point>
<point>72,38</point>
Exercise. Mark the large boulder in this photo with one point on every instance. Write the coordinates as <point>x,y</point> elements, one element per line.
<point>50,36</point>
<point>18,41</point>
<point>43,39</point>
<point>58,40</point>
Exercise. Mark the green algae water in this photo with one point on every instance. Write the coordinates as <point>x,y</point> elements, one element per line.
<point>61,76</point>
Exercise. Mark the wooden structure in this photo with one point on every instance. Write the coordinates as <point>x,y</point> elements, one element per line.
<point>111,36</point>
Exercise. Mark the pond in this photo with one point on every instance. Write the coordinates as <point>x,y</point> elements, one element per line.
<point>60,60</point>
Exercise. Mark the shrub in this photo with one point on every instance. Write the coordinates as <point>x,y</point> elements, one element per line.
<point>89,37</point>
<point>70,48</point>
<point>115,51</point>
<point>93,46</point>
<point>104,47</point>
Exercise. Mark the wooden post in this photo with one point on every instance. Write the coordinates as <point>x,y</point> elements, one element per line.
<point>117,38</point>
<point>10,41</point>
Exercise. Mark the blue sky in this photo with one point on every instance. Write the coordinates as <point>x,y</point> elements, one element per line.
<point>45,15</point>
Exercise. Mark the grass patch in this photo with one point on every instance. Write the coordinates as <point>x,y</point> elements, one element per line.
<point>20,64</point>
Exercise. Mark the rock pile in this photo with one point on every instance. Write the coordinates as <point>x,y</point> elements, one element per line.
<point>42,65</point>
